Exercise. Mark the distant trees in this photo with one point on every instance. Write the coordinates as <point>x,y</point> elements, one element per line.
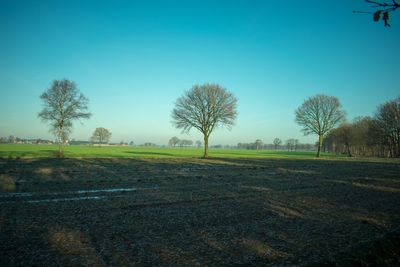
<point>292,144</point>
<point>366,136</point>
<point>363,136</point>
<point>289,144</point>
<point>342,137</point>
<point>63,103</point>
<point>173,141</point>
<point>258,144</point>
<point>149,144</point>
<point>101,135</point>
<point>246,146</point>
<point>357,138</point>
<point>318,115</point>
<point>277,142</point>
<point>205,107</point>
<point>296,144</point>
<point>11,139</point>
<point>198,143</point>
<point>387,120</point>
<point>185,143</point>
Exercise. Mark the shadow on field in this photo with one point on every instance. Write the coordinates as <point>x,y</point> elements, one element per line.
<point>188,211</point>
<point>150,154</point>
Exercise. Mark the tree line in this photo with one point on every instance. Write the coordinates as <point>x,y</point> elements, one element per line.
<point>209,106</point>
<point>369,136</point>
<point>17,140</point>
<point>175,141</point>
<point>277,144</point>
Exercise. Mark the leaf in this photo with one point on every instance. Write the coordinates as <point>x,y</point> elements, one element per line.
<point>377,15</point>
<point>386,19</point>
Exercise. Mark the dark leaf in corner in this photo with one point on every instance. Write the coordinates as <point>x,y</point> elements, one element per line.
<point>386,19</point>
<point>377,15</point>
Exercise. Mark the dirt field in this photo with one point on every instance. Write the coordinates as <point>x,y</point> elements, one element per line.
<point>189,212</point>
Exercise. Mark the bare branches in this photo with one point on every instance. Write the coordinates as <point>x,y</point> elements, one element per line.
<point>205,107</point>
<point>173,141</point>
<point>318,115</point>
<point>388,121</point>
<point>62,105</point>
<point>382,10</point>
<point>384,4</point>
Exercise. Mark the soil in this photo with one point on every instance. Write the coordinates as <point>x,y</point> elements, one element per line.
<point>192,212</point>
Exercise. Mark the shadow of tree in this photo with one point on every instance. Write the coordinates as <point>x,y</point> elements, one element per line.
<point>151,153</point>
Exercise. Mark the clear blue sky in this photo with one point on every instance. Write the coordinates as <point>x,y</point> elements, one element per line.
<point>133,59</point>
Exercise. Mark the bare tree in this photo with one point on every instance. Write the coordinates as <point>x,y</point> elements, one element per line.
<point>318,115</point>
<point>63,103</point>
<point>184,142</point>
<point>150,144</point>
<point>296,144</point>
<point>101,135</point>
<point>341,138</point>
<point>362,139</point>
<point>198,143</point>
<point>205,107</point>
<point>277,142</point>
<point>11,139</point>
<point>173,141</point>
<point>382,10</point>
<point>388,120</point>
<point>290,144</point>
<point>258,144</point>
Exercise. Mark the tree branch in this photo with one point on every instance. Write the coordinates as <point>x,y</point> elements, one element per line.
<point>382,8</point>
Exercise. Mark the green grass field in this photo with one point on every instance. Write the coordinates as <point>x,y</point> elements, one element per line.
<point>84,151</point>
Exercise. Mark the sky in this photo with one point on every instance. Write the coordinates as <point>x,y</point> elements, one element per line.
<point>133,59</point>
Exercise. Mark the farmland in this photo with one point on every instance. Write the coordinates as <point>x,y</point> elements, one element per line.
<point>166,209</point>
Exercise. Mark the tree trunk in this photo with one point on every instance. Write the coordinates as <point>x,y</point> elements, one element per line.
<point>348,150</point>
<point>320,139</point>
<point>60,149</point>
<point>397,144</point>
<point>205,146</point>
<point>60,146</point>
